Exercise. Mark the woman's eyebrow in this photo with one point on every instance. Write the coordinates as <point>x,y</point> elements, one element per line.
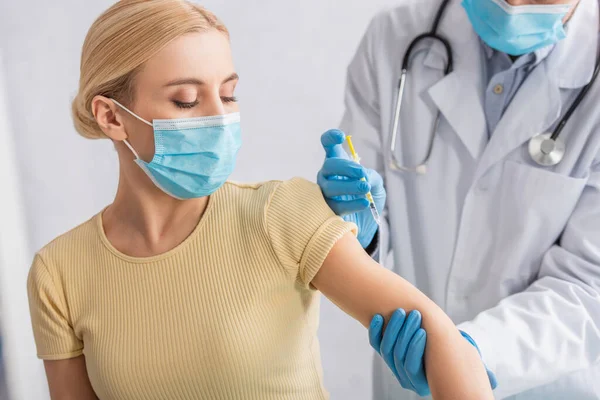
<point>232,77</point>
<point>198,82</point>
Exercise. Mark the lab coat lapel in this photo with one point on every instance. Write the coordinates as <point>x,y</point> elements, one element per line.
<point>537,105</point>
<point>458,96</point>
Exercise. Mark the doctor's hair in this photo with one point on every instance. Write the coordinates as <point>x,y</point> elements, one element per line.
<point>120,41</point>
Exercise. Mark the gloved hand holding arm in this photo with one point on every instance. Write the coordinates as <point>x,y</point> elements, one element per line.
<point>360,287</point>
<point>340,181</point>
<point>402,347</point>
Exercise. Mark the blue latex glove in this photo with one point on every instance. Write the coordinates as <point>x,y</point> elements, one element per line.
<point>491,375</point>
<point>339,179</point>
<point>403,349</point>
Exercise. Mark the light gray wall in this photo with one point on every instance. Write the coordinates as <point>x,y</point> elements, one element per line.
<point>291,56</point>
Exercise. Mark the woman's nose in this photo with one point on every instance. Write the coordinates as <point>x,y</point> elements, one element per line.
<point>214,105</point>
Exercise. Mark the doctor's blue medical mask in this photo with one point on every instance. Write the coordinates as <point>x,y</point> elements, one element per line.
<point>193,157</point>
<point>517,30</point>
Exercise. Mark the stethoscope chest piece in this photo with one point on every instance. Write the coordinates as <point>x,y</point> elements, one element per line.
<point>546,151</point>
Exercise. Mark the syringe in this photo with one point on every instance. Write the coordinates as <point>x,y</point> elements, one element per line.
<point>372,206</point>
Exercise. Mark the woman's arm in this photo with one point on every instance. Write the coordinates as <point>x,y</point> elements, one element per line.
<point>360,287</point>
<point>68,380</point>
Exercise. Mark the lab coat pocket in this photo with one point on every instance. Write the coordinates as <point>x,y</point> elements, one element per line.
<point>542,192</point>
<point>534,206</point>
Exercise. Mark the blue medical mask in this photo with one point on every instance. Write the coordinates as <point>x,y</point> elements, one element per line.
<point>193,157</point>
<point>517,30</point>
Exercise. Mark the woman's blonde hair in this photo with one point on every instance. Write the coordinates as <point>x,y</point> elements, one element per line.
<point>121,40</point>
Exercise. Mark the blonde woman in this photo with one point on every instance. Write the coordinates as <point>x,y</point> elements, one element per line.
<point>187,286</point>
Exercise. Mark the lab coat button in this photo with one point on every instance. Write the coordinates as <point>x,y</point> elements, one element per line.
<point>498,89</point>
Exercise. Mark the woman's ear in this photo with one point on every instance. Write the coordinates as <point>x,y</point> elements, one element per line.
<point>111,122</point>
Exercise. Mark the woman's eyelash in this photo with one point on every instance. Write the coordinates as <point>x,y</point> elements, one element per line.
<point>225,99</point>
<point>185,105</point>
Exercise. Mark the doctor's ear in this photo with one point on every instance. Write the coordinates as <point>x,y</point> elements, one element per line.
<point>108,119</point>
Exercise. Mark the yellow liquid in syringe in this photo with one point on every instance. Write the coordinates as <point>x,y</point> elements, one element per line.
<point>372,206</point>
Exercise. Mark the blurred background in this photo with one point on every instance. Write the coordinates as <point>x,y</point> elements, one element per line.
<point>292,59</point>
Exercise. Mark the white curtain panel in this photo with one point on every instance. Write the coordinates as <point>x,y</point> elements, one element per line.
<point>24,373</point>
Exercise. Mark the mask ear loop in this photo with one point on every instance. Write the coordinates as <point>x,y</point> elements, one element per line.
<point>131,148</point>
<point>136,116</point>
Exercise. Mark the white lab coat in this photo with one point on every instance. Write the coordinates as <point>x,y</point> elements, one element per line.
<point>509,249</point>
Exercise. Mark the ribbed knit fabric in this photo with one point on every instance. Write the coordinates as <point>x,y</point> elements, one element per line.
<point>227,314</point>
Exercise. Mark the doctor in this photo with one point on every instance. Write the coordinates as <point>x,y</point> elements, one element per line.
<point>498,225</point>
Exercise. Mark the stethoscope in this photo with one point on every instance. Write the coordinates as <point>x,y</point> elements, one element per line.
<point>546,149</point>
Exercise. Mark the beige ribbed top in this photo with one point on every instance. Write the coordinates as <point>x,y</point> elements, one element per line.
<point>227,314</point>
